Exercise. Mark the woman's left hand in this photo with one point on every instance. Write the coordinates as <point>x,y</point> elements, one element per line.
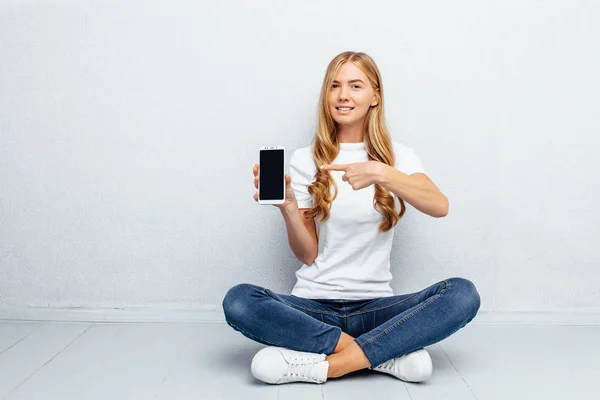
<point>360,175</point>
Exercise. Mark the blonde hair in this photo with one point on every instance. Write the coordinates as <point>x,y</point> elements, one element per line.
<point>377,142</point>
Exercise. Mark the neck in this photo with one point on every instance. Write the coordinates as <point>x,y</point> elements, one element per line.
<point>351,133</point>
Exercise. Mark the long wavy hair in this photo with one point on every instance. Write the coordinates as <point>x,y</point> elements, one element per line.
<point>377,140</point>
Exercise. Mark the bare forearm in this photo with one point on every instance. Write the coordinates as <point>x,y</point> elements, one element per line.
<point>425,197</point>
<point>301,242</point>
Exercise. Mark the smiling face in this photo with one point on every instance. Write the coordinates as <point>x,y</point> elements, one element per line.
<point>350,96</point>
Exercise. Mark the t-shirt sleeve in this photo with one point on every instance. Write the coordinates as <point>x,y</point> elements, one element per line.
<point>407,160</point>
<point>302,174</point>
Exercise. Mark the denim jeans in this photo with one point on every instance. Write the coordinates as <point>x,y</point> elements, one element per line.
<point>384,328</point>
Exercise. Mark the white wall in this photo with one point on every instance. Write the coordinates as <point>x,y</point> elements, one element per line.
<point>128,131</point>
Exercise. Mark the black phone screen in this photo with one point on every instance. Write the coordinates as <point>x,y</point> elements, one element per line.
<point>271,175</point>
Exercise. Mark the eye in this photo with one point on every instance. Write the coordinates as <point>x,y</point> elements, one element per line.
<point>358,86</point>
<point>334,86</point>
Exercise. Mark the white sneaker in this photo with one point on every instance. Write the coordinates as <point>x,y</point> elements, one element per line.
<point>280,365</point>
<point>412,367</point>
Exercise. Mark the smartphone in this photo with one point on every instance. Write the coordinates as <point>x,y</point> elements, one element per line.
<point>271,175</point>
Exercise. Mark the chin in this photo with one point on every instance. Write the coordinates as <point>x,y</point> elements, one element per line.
<point>345,122</point>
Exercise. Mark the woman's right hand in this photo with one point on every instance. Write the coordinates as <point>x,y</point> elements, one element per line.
<point>290,199</point>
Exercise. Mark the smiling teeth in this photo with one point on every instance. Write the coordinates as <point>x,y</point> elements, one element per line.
<point>344,108</point>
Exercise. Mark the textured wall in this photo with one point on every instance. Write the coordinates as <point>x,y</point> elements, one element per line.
<point>128,132</point>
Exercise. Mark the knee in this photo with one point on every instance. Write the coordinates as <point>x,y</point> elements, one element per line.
<point>466,295</point>
<point>236,302</point>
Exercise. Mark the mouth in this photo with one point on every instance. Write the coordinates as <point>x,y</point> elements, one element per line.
<point>344,110</point>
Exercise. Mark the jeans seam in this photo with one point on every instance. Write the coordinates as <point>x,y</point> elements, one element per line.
<point>301,308</point>
<point>384,307</point>
<point>406,317</point>
<point>309,309</point>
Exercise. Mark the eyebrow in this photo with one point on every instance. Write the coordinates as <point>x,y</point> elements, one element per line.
<point>352,81</point>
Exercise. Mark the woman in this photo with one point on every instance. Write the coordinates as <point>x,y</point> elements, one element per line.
<point>342,198</point>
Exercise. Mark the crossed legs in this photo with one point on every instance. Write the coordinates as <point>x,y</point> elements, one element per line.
<point>347,357</point>
<point>434,313</point>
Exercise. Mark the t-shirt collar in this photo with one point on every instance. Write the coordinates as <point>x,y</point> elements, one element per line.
<point>352,146</point>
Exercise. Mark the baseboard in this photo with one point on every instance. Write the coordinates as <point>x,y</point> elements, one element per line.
<point>204,315</point>
<point>536,318</point>
<point>214,315</point>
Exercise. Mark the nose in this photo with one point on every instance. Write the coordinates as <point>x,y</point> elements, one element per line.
<point>344,93</point>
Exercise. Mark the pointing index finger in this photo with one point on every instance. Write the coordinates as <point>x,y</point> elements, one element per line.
<point>334,167</point>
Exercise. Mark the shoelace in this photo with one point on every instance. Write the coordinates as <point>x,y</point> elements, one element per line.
<point>389,365</point>
<point>302,370</point>
<point>393,366</point>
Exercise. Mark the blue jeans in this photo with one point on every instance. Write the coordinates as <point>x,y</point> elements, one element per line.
<point>384,328</point>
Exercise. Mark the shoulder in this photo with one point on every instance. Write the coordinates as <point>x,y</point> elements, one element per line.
<point>401,149</point>
<point>303,153</point>
<point>407,160</point>
<point>302,160</point>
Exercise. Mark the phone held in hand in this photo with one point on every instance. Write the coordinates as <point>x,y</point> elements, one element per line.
<point>271,175</point>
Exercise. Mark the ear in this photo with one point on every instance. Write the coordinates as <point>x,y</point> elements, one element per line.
<point>375,98</point>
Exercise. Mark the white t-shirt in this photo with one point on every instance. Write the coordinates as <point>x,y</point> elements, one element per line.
<point>353,261</point>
